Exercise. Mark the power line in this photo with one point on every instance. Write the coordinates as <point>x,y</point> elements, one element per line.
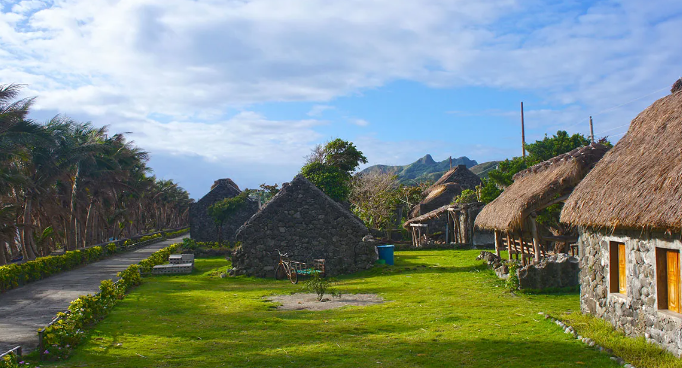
<point>616,107</point>
<point>618,127</point>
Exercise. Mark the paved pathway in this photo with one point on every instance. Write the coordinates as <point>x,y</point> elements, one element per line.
<point>26,309</point>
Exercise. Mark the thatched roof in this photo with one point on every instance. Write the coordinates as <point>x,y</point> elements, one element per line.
<point>438,195</point>
<point>445,189</point>
<point>459,175</point>
<point>439,212</point>
<point>638,184</point>
<point>538,185</point>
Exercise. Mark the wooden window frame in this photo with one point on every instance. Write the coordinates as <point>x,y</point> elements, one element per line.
<point>617,281</point>
<point>663,279</point>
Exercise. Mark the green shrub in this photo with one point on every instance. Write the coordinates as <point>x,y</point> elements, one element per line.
<point>15,275</point>
<point>9,361</point>
<point>61,337</point>
<point>320,286</point>
<point>512,283</point>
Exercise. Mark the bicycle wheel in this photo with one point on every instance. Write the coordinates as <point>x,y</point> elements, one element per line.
<point>293,275</point>
<point>280,272</point>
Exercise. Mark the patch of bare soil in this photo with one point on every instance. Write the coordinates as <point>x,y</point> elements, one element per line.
<point>308,301</point>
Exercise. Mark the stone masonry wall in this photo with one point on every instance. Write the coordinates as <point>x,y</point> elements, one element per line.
<point>635,313</point>
<point>202,226</point>
<point>305,223</point>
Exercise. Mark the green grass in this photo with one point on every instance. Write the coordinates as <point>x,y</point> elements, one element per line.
<point>637,351</point>
<point>443,309</point>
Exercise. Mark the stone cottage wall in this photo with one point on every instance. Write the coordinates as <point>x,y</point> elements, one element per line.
<point>635,313</point>
<point>305,223</point>
<point>202,226</point>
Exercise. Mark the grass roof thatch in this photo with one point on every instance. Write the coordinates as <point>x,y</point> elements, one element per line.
<point>439,195</point>
<point>459,175</point>
<point>638,184</point>
<point>538,185</point>
<point>440,212</point>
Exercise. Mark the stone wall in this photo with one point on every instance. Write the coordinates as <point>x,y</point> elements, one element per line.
<point>202,226</point>
<point>556,271</point>
<point>305,223</point>
<point>636,313</point>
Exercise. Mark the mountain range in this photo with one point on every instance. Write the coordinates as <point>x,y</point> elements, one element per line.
<point>427,169</point>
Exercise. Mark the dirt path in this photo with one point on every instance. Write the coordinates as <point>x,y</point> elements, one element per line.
<point>26,309</point>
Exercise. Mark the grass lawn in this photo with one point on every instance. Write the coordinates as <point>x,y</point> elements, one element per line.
<point>443,309</point>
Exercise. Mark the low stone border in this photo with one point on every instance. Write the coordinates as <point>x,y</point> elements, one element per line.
<point>587,341</point>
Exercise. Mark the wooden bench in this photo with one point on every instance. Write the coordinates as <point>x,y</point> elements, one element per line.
<point>302,268</point>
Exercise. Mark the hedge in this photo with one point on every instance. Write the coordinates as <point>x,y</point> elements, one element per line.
<point>15,275</point>
<point>60,338</point>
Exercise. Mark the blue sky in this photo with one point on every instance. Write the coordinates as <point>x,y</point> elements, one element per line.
<point>245,89</point>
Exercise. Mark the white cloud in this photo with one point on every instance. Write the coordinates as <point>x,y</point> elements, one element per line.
<point>359,122</point>
<point>247,138</point>
<point>192,60</point>
<point>26,6</point>
<point>318,110</point>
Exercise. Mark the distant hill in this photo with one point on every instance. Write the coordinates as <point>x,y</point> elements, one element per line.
<point>424,169</point>
<point>483,169</point>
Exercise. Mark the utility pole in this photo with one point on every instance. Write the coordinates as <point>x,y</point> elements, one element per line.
<point>523,134</point>
<point>591,130</point>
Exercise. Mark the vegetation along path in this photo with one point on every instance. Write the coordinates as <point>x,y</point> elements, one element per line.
<point>26,309</point>
<point>441,309</point>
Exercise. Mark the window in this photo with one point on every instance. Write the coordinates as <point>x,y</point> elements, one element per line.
<point>668,279</point>
<point>617,267</point>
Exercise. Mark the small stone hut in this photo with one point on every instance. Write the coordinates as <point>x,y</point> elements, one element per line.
<point>512,214</point>
<point>629,214</point>
<point>445,189</point>
<point>305,223</point>
<point>455,222</point>
<point>201,225</point>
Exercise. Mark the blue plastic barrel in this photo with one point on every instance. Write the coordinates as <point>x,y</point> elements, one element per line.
<point>386,253</point>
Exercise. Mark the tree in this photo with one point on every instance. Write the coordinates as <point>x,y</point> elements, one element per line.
<point>65,183</point>
<point>222,210</point>
<point>374,198</point>
<point>333,181</point>
<point>330,167</point>
<point>539,151</point>
<point>467,196</point>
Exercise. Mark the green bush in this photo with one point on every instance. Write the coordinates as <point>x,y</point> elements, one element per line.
<point>9,361</point>
<point>173,234</point>
<point>61,337</point>
<point>15,275</point>
<point>320,286</point>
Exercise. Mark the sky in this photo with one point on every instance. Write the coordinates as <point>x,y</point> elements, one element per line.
<point>244,89</point>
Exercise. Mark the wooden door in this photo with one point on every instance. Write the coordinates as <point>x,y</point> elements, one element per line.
<point>621,268</point>
<point>673,281</point>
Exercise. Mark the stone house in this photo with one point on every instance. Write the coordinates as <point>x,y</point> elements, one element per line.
<point>201,225</point>
<point>446,189</point>
<point>307,224</point>
<point>512,215</point>
<point>629,214</point>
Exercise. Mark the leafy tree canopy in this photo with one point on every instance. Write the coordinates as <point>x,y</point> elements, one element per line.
<point>330,167</point>
<point>330,179</point>
<point>539,151</point>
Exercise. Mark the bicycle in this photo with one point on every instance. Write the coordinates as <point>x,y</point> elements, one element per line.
<point>285,268</point>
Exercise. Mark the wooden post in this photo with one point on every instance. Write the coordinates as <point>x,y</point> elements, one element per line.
<point>536,237</point>
<point>591,130</point>
<point>509,246</point>
<point>523,247</point>
<point>497,242</point>
<point>523,133</point>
